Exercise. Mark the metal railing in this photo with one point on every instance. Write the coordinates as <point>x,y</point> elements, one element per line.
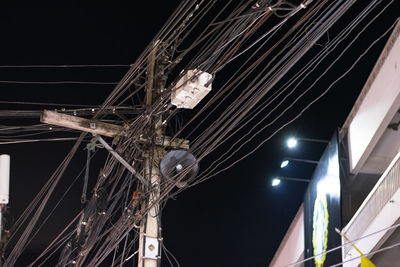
<point>379,196</point>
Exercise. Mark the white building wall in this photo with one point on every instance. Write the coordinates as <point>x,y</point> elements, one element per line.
<point>376,106</point>
<point>291,248</point>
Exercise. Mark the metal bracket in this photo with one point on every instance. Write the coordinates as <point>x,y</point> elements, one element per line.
<point>122,161</point>
<point>167,141</point>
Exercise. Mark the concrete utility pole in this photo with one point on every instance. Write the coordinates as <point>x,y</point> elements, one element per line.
<point>150,228</point>
<point>150,240</point>
<point>154,140</point>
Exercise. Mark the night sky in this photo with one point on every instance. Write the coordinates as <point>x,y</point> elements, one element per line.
<point>234,219</point>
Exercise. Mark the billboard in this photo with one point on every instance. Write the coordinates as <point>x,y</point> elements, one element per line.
<point>322,209</point>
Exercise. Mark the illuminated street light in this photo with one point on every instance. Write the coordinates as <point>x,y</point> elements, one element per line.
<point>291,143</point>
<point>276,181</point>
<point>284,163</point>
<point>287,160</point>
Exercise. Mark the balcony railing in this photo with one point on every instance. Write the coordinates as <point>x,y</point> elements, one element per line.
<point>379,196</point>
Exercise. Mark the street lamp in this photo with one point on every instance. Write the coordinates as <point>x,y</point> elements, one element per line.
<point>286,161</point>
<point>277,180</point>
<point>292,141</point>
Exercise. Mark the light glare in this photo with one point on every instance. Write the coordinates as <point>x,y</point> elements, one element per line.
<point>329,186</point>
<point>276,182</point>
<point>284,163</point>
<point>291,143</point>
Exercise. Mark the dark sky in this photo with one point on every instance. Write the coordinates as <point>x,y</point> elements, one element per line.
<point>234,219</point>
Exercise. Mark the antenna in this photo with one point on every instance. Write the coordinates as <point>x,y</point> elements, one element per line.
<point>4,186</point>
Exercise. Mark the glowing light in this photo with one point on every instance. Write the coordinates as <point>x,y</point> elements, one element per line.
<point>329,186</point>
<point>276,181</point>
<point>291,143</point>
<point>179,167</point>
<point>284,163</point>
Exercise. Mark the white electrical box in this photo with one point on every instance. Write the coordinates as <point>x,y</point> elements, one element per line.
<point>151,248</point>
<point>191,89</point>
<point>4,178</point>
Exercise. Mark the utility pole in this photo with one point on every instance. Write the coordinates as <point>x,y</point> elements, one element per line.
<point>187,93</point>
<point>150,228</point>
<point>155,143</point>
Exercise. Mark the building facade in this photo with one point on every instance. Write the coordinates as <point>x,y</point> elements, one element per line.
<point>369,172</point>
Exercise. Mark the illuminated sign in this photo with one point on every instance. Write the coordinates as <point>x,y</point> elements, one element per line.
<point>320,229</point>
<point>322,210</point>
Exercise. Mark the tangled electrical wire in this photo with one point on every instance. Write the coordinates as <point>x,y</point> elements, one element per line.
<point>266,38</point>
